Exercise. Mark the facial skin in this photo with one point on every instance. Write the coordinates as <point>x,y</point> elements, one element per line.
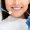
<point>18,7</point>
<point>29,1</point>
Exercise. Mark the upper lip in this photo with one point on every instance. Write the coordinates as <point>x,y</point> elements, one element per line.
<point>17,6</point>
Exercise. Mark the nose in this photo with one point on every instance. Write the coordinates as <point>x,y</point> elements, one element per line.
<point>16,2</point>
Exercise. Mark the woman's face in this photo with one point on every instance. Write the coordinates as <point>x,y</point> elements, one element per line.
<point>18,7</point>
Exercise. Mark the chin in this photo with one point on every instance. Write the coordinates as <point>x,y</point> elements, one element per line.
<point>17,15</point>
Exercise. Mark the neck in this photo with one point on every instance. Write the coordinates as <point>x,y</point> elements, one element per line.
<point>22,17</point>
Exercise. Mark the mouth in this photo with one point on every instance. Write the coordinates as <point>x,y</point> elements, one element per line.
<point>16,8</point>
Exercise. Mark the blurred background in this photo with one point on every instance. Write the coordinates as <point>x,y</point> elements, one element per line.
<point>0,12</point>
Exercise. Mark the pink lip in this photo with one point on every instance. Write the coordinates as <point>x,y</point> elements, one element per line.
<point>16,8</point>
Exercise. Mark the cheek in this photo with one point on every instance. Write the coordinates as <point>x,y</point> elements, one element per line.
<point>8,3</point>
<point>29,1</point>
<point>25,2</point>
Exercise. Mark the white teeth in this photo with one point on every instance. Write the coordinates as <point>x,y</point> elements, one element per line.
<point>16,8</point>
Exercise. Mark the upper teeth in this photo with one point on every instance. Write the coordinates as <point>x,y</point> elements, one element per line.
<point>16,8</point>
